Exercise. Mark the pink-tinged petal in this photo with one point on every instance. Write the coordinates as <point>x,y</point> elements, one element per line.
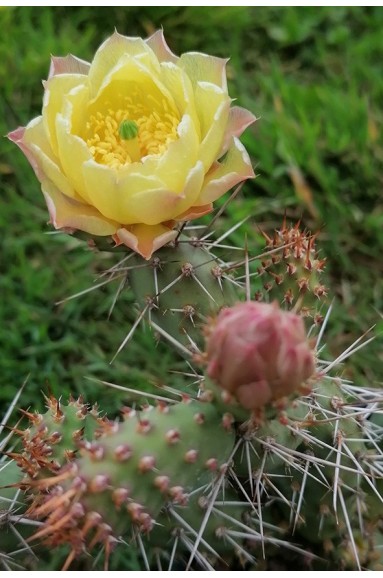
<point>17,136</point>
<point>160,48</point>
<point>68,213</point>
<point>239,119</point>
<point>144,239</point>
<point>68,65</point>
<point>235,167</point>
<point>202,67</point>
<point>194,213</point>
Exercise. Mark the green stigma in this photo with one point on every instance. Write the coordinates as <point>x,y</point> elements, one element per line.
<point>128,129</point>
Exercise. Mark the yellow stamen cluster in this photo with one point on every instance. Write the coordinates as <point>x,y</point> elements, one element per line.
<point>157,128</point>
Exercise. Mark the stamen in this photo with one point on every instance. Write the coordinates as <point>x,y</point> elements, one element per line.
<point>132,131</point>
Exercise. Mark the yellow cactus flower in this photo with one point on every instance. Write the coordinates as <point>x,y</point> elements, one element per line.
<point>135,141</point>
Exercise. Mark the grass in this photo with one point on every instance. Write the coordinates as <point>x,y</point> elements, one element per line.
<point>310,74</point>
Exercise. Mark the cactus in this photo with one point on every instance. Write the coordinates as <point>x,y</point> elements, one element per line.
<point>292,272</point>
<point>122,480</point>
<point>179,288</point>
<point>216,480</point>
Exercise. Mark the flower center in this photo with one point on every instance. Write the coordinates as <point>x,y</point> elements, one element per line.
<point>125,135</point>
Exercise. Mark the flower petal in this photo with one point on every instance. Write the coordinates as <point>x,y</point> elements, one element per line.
<point>180,87</point>
<point>73,153</point>
<point>36,140</point>
<point>153,207</point>
<point>68,65</point>
<point>109,54</point>
<point>235,167</point>
<point>56,91</point>
<point>111,191</point>
<point>213,106</point>
<point>160,48</point>
<point>239,119</point>
<point>194,213</point>
<point>17,136</point>
<point>67,213</point>
<point>144,239</point>
<point>202,67</point>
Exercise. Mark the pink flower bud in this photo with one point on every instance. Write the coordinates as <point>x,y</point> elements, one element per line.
<point>258,353</point>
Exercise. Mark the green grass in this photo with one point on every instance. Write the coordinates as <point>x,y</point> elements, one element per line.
<point>312,75</point>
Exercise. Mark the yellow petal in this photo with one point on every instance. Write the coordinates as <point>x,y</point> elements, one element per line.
<point>36,140</point>
<point>67,213</point>
<point>213,106</point>
<point>153,207</point>
<point>111,191</point>
<point>174,165</point>
<point>178,83</point>
<point>109,54</point>
<point>205,68</point>
<point>234,168</point>
<point>56,90</point>
<point>145,240</point>
<point>73,153</point>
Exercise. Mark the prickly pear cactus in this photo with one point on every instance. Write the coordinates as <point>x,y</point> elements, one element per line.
<point>121,481</point>
<point>292,272</point>
<point>179,288</point>
<point>52,438</point>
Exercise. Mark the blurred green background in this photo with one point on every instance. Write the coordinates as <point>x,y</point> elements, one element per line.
<point>312,75</point>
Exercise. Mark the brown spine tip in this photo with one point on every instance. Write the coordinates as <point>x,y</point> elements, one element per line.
<point>172,436</point>
<point>119,496</point>
<point>99,483</point>
<point>144,426</point>
<point>162,407</point>
<point>78,434</point>
<point>96,452</point>
<point>146,464</point>
<point>199,418</point>
<point>77,510</point>
<point>145,523</point>
<point>211,464</point>
<point>128,412</point>
<point>135,510</point>
<point>187,269</point>
<point>191,456</point>
<point>178,495</point>
<point>227,421</point>
<point>123,452</point>
<point>55,438</point>
<point>162,483</point>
